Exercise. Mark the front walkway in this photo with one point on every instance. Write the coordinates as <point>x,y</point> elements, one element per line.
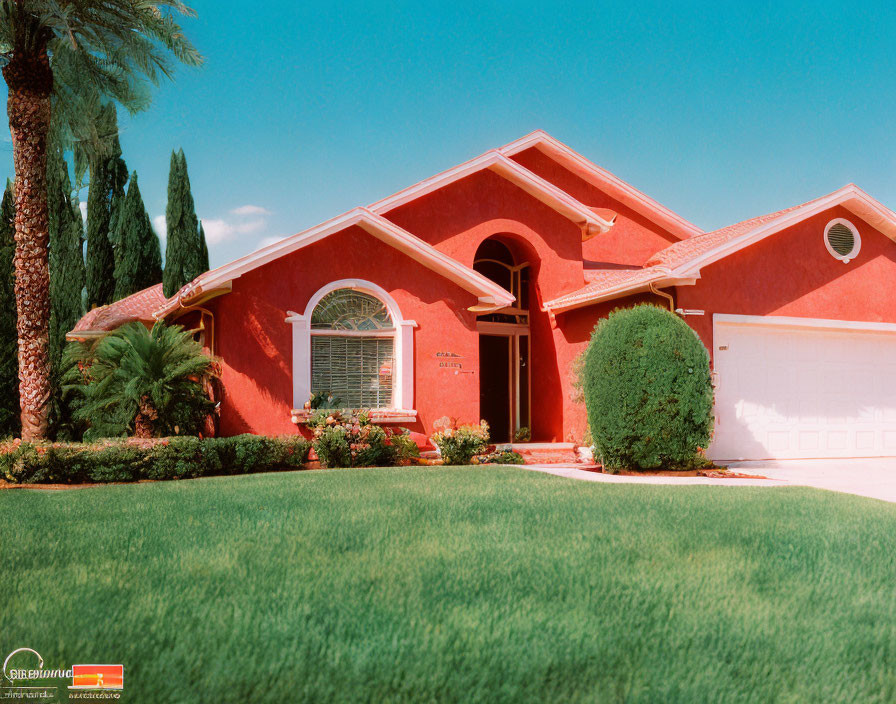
<point>573,472</point>
<point>874,478</point>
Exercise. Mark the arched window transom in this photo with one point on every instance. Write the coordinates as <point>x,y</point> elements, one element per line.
<point>347,309</point>
<point>353,349</point>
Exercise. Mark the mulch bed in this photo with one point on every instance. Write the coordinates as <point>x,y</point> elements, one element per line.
<point>710,473</point>
<point>58,487</point>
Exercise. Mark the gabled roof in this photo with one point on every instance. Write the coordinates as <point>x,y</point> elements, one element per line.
<point>139,306</point>
<point>490,294</point>
<point>607,284</point>
<point>605,181</point>
<point>686,258</point>
<point>519,175</point>
<point>680,263</point>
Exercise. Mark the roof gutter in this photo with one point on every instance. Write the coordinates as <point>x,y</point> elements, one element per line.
<point>664,277</point>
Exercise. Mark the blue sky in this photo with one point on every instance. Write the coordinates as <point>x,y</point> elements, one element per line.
<point>720,112</point>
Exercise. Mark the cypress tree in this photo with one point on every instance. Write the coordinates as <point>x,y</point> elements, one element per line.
<point>138,255</point>
<point>9,354</point>
<point>108,175</point>
<point>67,272</point>
<point>182,255</point>
<point>203,251</point>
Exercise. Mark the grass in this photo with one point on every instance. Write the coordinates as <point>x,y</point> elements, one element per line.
<point>473,584</point>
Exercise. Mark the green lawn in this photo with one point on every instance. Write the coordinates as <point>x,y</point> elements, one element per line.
<point>473,584</point>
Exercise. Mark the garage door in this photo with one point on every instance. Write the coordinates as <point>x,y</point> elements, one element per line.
<point>799,388</point>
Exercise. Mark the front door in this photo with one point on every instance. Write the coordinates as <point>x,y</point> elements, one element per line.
<point>495,375</point>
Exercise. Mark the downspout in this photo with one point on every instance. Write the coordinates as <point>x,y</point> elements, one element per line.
<point>662,294</point>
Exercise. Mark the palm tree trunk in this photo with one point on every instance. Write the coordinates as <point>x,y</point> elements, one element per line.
<point>143,427</point>
<point>30,82</point>
<point>144,422</point>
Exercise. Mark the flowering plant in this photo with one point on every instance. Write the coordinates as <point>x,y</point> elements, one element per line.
<point>350,439</point>
<point>459,444</point>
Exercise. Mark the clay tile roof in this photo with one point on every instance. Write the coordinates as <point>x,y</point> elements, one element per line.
<point>602,282</point>
<point>137,306</point>
<point>683,251</point>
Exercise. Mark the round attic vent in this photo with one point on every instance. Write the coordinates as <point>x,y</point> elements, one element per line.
<point>842,239</point>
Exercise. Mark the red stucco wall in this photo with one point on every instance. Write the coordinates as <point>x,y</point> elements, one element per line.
<point>457,218</point>
<point>632,239</point>
<point>791,273</point>
<point>255,342</point>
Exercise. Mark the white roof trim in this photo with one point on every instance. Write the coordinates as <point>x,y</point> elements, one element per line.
<point>489,293</point>
<point>572,301</point>
<point>603,179</point>
<point>517,174</point>
<point>850,197</point>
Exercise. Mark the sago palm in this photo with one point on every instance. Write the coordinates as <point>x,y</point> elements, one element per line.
<point>60,56</point>
<point>149,383</point>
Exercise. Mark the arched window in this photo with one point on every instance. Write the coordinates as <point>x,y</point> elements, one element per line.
<point>494,260</point>
<point>355,343</point>
<point>353,349</point>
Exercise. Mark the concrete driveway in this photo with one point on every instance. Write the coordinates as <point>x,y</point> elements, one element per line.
<point>872,477</point>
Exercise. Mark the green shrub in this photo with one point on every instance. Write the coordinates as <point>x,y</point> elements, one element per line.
<point>132,460</point>
<point>350,439</point>
<point>648,390</point>
<point>458,445</point>
<point>331,446</point>
<point>405,448</point>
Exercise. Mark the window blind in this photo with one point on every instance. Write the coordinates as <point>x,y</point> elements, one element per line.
<point>357,370</point>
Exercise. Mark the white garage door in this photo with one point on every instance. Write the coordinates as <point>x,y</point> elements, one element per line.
<point>799,388</point>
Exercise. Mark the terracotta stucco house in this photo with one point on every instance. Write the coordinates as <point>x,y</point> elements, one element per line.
<point>471,293</point>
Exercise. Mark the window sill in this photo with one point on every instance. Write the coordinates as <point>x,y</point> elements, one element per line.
<point>380,416</point>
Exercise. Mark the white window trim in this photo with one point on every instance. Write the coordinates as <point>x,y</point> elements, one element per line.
<point>403,373</point>
<point>857,244</point>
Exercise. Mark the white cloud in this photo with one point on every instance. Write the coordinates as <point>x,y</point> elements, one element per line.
<point>83,207</point>
<point>267,241</point>
<point>161,226</point>
<point>250,210</point>
<point>218,230</point>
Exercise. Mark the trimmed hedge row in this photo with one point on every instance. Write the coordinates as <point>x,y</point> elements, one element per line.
<point>133,460</point>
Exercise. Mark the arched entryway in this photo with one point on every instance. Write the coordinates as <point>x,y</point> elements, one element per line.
<point>504,342</point>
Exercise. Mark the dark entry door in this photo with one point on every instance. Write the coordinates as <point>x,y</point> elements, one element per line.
<point>494,384</point>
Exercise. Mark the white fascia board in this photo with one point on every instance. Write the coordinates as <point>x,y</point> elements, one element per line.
<point>517,174</point>
<point>851,197</point>
<point>376,225</point>
<point>251,261</point>
<point>427,255</point>
<point>433,183</point>
<point>603,179</point>
<point>662,280</point>
<point>548,193</point>
<point>781,321</point>
<point>225,274</point>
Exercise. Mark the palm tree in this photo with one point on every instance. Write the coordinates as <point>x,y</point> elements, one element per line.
<point>141,382</point>
<point>60,56</point>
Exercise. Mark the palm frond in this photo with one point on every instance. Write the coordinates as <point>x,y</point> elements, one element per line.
<point>100,50</point>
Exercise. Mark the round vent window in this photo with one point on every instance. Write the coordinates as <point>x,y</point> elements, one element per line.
<point>842,239</point>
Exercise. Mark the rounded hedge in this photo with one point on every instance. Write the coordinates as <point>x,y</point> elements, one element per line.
<point>648,390</point>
